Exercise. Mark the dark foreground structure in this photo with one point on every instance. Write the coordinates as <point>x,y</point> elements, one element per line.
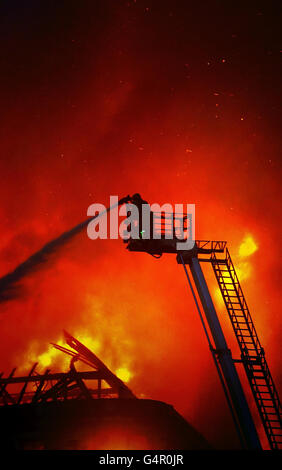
<point>86,409</point>
<point>97,424</point>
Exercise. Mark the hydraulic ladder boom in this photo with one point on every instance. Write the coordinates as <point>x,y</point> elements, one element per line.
<point>252,353</point>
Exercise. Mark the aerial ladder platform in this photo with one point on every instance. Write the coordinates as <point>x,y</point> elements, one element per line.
<point>252,353</point>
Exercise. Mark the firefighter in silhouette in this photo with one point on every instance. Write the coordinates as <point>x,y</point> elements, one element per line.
<point>137,200</point>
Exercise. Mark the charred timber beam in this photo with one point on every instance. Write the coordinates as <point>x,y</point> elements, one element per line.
<point>88,375</point>
<point>25,384</point>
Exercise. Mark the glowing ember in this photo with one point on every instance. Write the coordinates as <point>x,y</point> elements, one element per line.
<point>247,247</point>
<point>45,359</point>
<point>91,343</point>
<point>124,374</point>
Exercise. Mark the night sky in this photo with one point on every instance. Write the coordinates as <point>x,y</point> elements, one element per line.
<point>177,100</point>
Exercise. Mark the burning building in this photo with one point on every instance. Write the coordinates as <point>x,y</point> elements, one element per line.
<point>180,101</point>
<point>64,411</point>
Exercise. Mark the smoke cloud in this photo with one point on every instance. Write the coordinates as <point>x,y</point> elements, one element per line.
<point>177,101</point>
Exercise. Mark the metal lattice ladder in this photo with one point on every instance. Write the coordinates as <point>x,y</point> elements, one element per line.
<point>252,353</point>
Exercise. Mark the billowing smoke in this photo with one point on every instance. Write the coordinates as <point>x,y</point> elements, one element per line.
<point>177,101</point>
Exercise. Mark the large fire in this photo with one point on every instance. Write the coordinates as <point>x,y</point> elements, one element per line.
<point>91,113</point>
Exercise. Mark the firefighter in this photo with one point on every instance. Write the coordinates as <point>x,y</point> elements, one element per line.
<point>137,200</point>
